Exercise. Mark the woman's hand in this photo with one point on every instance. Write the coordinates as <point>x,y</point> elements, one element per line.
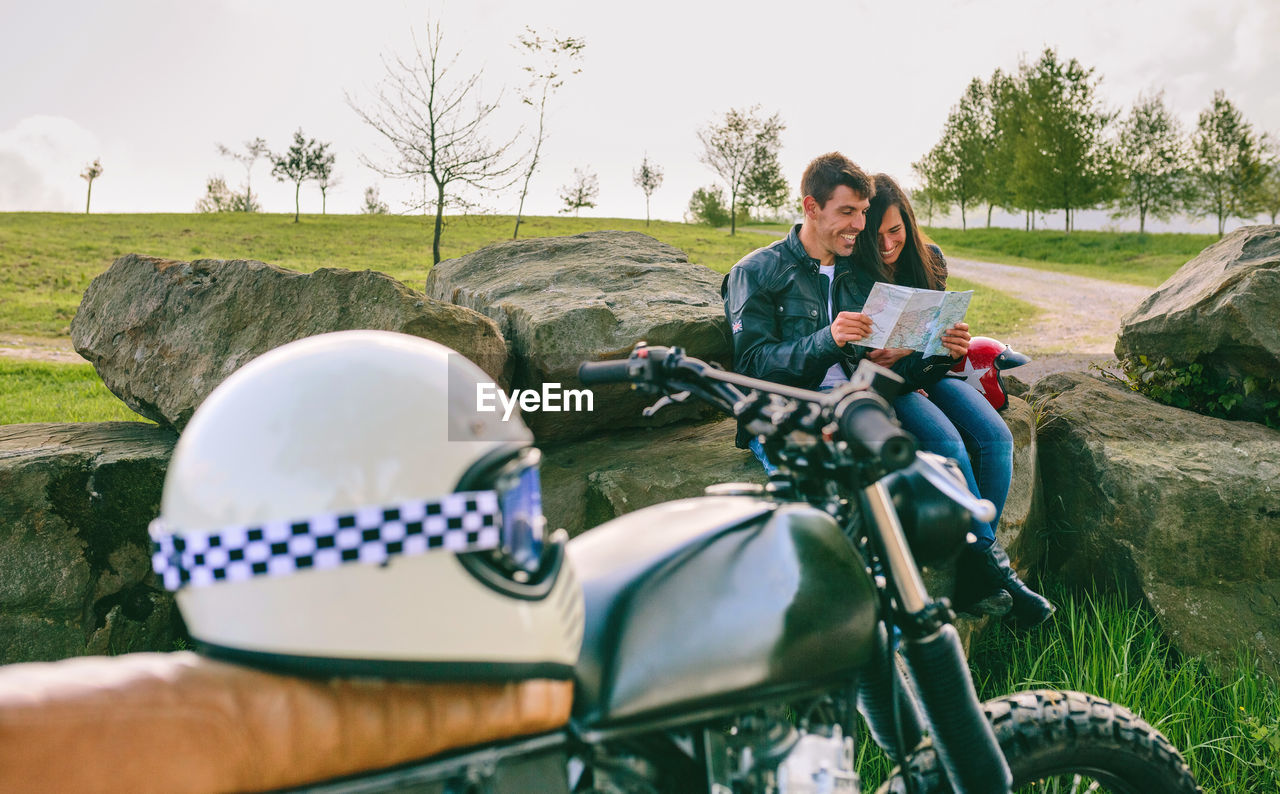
<point>956,339</point>
<point>888,356</point>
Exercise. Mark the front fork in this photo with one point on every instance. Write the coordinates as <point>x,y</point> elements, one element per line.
<point>962,737</point>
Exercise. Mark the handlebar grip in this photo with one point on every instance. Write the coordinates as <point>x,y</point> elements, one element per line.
<point>866,423</point>
<point>618,371</point>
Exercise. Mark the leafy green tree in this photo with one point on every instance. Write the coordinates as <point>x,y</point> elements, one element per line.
<point>91,172</point>
<point>930,175</point>
<point>1006,185</point>
<point>1152,155</point>
<point>956,166</point>
<point>322,173</point>
<point>1269,191</point>
<point>217,196</point>
<point>1228,162</point>
<point>299,163</point>
<point>1063,152</point>
<point>928,202</point>
<point>435,126</point>
<point>736,147</point>
<point>648,177</point>
<point>581,192</point>
<point>552,59</point>
<point>253,150</point>
<point>220,198</point>
<point>373,204</point>
<point>706,206</point>
<point>765,187</point>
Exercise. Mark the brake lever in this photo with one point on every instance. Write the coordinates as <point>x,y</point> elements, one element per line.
<point>664,401</point>
<point>941,478</point>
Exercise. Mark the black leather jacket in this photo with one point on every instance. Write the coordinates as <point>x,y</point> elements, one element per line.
<point>776,303</point>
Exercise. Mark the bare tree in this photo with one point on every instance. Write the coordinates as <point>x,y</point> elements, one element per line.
<point>648,177</point>
<point>91,172</point>
<point>581,192</point>
<point>553,58</point>
<point>253,150</point>
<point>435,127</point>
<point>733,148</point>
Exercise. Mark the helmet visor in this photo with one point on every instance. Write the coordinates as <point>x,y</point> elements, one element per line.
<point>519,492</point>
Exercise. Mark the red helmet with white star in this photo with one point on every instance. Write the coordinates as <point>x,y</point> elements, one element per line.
<point>982,366</point>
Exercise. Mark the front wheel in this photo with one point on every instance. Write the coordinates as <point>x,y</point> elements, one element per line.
<point>1057,741</point>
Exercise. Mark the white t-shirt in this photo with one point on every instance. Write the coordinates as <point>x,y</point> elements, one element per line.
<point>835,376</point>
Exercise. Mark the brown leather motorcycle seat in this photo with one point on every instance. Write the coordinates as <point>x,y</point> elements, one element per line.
<point>180,722</point>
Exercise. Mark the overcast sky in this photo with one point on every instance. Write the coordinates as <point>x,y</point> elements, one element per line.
<point>151,86</point>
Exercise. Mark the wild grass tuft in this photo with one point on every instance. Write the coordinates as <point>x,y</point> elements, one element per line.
<point>1226,722</point>
<point>1223,720</point>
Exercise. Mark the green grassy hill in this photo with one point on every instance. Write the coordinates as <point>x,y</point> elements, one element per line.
<point>49,259</point>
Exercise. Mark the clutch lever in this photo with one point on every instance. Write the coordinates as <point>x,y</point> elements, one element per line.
<point>664,401</point>
<point>939,476</point>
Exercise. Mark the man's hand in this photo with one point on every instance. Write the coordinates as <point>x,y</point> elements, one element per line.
<point>850,327</point>
<point>888,356</point>
<point>956,339</point>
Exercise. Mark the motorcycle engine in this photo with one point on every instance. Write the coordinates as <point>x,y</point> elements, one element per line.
<point>766,753</point>
<point>819,765</point>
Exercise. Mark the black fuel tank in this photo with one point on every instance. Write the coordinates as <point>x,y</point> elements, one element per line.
<point>706,600</point>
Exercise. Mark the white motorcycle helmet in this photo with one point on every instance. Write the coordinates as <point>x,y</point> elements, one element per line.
<point>339,506</point>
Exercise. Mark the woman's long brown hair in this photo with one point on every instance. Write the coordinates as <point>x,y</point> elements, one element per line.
<point>917,265</point>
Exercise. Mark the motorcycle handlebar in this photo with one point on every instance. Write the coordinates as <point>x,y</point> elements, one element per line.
<point>866,423</point>
<point>592,372</point>
<point>863,417</point>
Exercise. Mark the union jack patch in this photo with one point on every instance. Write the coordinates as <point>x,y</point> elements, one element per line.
<point>737,326</point>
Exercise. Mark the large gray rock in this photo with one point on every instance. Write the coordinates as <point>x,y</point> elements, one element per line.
<point>585,483</point>
<point>75,558</point>
<point>562,300</point>
<point>1221,310</point>
<point>162,334</point>
<point>1180,507</point>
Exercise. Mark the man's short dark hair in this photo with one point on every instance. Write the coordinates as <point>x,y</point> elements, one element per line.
<point>829,171</point>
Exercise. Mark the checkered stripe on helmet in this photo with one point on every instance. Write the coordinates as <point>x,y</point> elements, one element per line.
<point>460,522</point>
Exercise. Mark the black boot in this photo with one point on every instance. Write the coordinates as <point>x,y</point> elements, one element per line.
<point>1029,607</point>
<point>976,594</point>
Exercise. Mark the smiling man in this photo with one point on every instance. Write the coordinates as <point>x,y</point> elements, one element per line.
<point>789,305</point>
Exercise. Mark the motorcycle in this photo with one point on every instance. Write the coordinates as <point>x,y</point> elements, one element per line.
<point>731,640</point>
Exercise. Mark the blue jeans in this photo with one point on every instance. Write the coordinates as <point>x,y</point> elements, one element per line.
<point>756,447</point>
<point>957,422</point>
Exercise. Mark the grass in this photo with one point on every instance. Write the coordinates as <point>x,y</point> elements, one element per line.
<point>1225,723</point>
<point>1126,257</point>
<point>42,391</point>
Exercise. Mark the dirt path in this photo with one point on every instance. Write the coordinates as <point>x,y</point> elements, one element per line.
<point>59,350</point>
<point>1079,317</point>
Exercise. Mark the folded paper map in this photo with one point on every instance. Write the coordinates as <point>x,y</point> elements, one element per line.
<point>912,318</point>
